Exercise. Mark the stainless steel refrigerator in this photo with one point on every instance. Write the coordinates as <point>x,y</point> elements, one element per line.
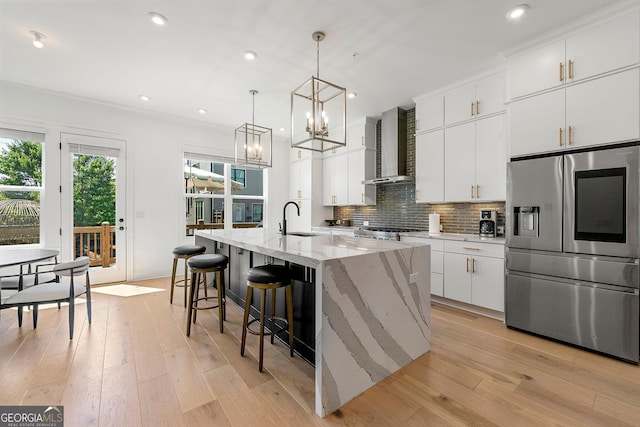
<point>572,248</point>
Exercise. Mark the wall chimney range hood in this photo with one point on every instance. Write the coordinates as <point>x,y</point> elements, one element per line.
<point>393,148</point>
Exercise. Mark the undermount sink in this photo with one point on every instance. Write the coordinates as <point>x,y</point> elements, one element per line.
<point>300,233</point>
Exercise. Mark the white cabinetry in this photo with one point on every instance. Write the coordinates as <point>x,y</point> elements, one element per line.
<point>362,165</point>
<point>466,271</point>
<point>335,167</point>
<point>345,169</point>
<point>474,100</point>
<point>305,188</point>
<point>474,273</point>
<point>475,161</point>
<point>461,145</point>
<point>436,261</point>
<point>429,113</point>
<point>608,46</point>
<point>362,162</point>
<point>430,167</point>
<point>599,111</point>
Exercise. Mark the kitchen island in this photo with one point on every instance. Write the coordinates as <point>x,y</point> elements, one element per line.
<point>371,302</point>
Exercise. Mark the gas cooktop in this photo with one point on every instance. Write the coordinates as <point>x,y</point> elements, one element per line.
<point>382,233</point>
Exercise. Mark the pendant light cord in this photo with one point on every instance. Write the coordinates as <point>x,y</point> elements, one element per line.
<point>317,58</point>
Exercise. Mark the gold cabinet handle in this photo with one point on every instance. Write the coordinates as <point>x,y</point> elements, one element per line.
<point>299,154</point>
<point>570,135</point>
<point>472,108</point>
<point>570,69</point>
<point>477,191</point>
<point>560,139</point>
<point>561,71</point>
<point>363,140</point>
<point>467,265</point>
<point>473,265</point>
<point>470,248</point>
<point>477,107</point>
<point>472,191</point>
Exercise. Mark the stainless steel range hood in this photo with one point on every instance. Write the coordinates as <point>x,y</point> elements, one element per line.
<point>393,148</point>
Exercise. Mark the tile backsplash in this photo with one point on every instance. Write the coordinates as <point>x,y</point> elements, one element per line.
<point>396,202</point>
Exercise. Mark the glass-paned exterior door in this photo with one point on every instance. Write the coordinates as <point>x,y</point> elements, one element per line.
<point>93,204</point>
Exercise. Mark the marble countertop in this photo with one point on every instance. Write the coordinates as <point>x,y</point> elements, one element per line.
<point>309,251</point>
<point>457,236</point>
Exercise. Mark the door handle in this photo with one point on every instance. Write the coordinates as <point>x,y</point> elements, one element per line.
<point>560,140</point>
<point>121,228</point>
<point>570,69</point>
<point>477,107</point>
<point>473,265</point>
<point>570,135</point>
<point>467,265</point>
<point>561,71</point>
<point>472,108</point>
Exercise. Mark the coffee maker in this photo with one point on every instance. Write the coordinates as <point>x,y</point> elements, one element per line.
<point>488,223</point>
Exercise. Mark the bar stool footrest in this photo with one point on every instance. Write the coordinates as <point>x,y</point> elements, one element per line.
<point>207,307</point>
<point>284,326</point>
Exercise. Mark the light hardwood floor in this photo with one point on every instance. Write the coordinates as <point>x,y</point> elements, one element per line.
<point>134,367</point>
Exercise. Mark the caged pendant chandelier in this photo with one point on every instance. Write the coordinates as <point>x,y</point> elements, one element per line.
<point>318,111</point>
<point>253,143</point>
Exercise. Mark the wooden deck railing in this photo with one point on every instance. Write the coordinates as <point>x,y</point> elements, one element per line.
<point>98,243</point>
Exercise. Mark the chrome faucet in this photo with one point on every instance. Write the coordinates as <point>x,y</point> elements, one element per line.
<point>284,216</point>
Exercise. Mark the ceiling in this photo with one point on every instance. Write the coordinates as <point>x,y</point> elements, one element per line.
<point>387,51</point>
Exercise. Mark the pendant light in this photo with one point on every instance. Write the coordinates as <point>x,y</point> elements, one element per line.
<point>318,111</point>
<point>253,143</point>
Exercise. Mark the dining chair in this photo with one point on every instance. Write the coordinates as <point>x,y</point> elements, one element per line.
<point>65,289</point>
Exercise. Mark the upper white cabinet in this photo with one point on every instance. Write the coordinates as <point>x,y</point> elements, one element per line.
<point>362,165</point>
<point>429,113</point>
<point>344,169</point>
<point>305,188</point>
<point>598,111</point>
<point>609,46</point>
<point>335,173</point>
<point>430,167</point>
<point>474,100</point>
<point>362,134</point>
<point>475,161</point>
<point>301,179</point>
<point>461,146</point>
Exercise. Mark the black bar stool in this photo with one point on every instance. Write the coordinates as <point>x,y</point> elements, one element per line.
<point>268,277</point>
<point>203,264</point>
<point>183,252</point>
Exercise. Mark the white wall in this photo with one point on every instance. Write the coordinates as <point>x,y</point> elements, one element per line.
<point>155,206</point>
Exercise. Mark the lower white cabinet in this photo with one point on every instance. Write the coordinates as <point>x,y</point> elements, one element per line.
<point>466,271</point>
<point>474,273</point>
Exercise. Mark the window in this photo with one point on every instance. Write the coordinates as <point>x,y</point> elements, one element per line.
<point>238,175</point>
<point>205,198</point>
<point>20,186</point>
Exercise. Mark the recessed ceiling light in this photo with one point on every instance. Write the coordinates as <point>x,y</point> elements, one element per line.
<point>351,95</point>
<point>144,98</point>
<point>158,18</point>
<point>518,11</point>
<point>249,55</point>
<point>202,111</point>
<point>37,39</point>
